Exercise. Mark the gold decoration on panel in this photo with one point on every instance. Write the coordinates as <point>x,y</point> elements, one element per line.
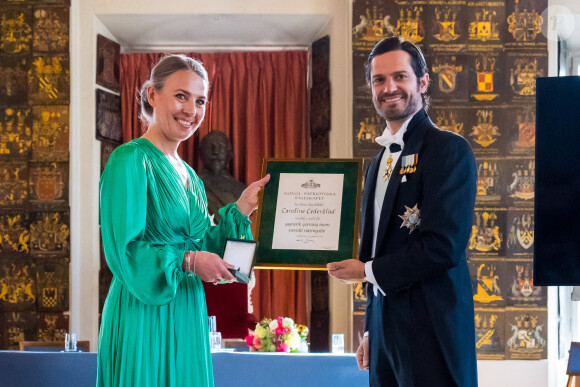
<point>485,67</point>
<point>47,73</point>
<point>485,27</point>
<point>49,234</point>
<point>50,33</point>
<point>523,77</point>
<point>15,330</point>
<point>51,287</point>
<point>523,288</point>
<point>410,25</point>
<point>51,332</point>
<point>488,289</point>
<point>524,25</point>
<point>487,178</point>
<point>14,133</point>
<point>47,183</point>
<point>369,129</point>
<point>485,132</point>
<point>447,75</point>
<point>527,335</point>
<point>485,235</point>
<point>522,231</point>
<point>13,186</point>
<point>13,235</point>
<point>16,285</point>
<point>526,129</point>
<point>448,121</point>
<point>50,128</point>
<point>373,27</point>
<point>523,181</point>
<point>485,330</point>
<point>359,292</point>
<point>15,34</point>
<point>446,27</point>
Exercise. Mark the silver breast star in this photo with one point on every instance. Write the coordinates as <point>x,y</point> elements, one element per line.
<point>411,218</point>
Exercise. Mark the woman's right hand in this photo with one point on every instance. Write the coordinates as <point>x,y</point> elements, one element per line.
<point>211,268</point>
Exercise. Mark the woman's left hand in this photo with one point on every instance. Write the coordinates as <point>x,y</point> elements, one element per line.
<point>248,201</point>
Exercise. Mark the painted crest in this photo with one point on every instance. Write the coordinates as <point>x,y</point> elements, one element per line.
<point>488,289</point>
<point>526,336</point>
<point>410,24</point>
<point>522,287</point>
<point>487,338</point>
<point>485,132</point>
<point>485,70</point>
<point>485,27</point>
<point>448,121</point>
<point>447,75</point>
<point>523,76</point>
<point>523,180</point>
<point>487,181</point>
<point>485,235</point>
<point>446,27</point>
<point>524,25</point>
<point>16,33</point>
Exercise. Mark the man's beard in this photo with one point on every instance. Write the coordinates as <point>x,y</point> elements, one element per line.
<point>396,114</point>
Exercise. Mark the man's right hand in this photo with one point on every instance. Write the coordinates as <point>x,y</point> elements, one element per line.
<point>362,354</point>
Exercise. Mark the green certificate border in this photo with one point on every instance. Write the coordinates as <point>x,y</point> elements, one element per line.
<point>266,258</point>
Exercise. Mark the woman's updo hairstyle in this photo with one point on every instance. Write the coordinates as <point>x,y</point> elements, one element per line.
<point>166,66</point>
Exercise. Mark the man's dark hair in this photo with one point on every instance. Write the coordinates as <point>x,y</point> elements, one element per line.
<point>395,43</point>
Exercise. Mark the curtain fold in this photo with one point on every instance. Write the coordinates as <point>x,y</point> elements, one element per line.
<point>260,101</point>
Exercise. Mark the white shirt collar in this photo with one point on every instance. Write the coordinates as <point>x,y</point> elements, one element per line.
<point>387,138</point>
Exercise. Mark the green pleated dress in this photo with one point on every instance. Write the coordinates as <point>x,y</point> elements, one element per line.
<point>154,327</point>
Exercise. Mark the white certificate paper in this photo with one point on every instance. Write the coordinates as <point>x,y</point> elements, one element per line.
<point>308,211</point>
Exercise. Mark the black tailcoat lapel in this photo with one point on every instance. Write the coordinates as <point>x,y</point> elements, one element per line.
<point>413,139</point>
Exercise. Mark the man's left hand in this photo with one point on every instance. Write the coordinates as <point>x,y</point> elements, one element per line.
<point>350,270</point>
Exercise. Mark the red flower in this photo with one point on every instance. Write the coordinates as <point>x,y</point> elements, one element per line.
<point>249,340</point>
<point>283,348</point>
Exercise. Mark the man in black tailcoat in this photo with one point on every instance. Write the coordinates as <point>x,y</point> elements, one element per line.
<point>416,220</point>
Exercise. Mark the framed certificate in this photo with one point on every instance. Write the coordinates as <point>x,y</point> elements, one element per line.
<point>309,213</point>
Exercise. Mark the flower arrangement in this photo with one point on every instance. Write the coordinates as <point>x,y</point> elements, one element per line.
<point>279,335</point>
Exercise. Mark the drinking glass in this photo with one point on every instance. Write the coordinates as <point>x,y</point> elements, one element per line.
<point>338,343</point>
<point>70,342</point>
<point>215,340</point>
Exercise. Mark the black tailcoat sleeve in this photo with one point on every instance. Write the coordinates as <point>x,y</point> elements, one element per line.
<point>423,271</point>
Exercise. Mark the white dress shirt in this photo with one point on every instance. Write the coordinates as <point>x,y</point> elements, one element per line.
<point>386,139</point>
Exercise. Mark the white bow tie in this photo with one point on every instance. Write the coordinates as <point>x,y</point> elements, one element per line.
<point>386,139</point>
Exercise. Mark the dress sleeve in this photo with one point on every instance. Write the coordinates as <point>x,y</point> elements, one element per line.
<point>233,224</point>
<point>150,272</point>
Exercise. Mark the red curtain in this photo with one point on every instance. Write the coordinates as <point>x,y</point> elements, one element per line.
<point>260,100</point>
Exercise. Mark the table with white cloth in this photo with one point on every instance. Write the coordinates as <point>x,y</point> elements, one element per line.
<point>24,368</point>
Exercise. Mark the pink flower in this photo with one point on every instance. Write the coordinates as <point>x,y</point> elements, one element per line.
<point>282,348</point>
<point>249,340</point>
<point>280,320</point>
<point>279,330</point>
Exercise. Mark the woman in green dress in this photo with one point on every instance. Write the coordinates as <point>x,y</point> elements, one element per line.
<point>159,243</point>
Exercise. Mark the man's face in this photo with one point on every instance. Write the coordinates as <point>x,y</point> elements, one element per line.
<point>396,92</point>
